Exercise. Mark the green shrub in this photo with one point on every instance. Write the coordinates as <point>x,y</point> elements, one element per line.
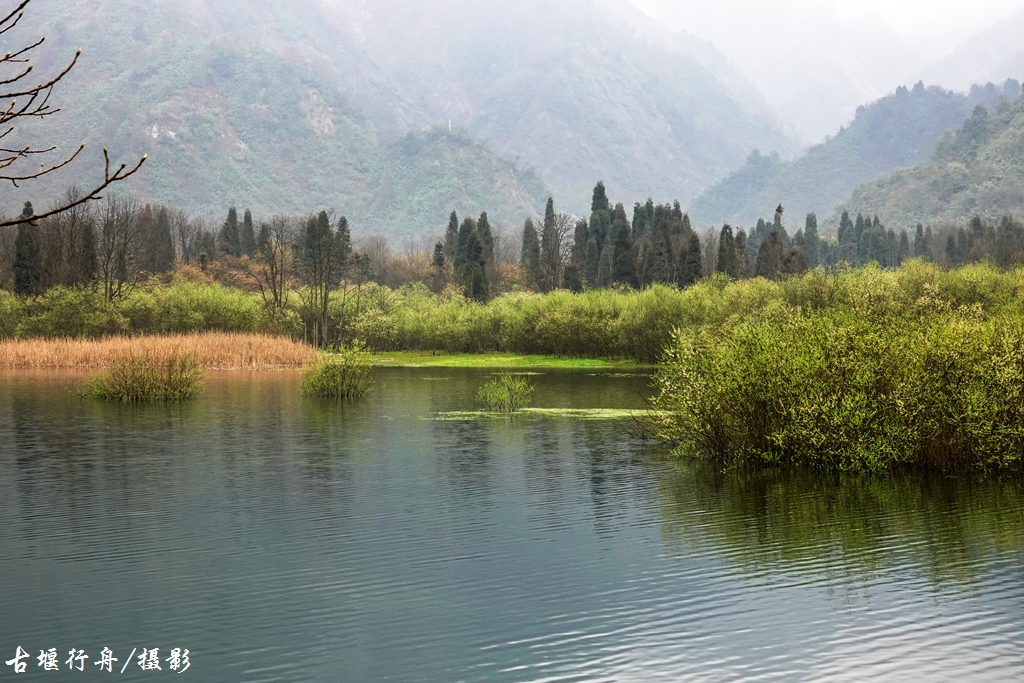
<point>507,393</point>
<point>340,374</point>
<point>143,377</point>
<point>846,390</point>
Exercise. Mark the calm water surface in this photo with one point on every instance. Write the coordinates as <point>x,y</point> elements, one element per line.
<point>282,539</point>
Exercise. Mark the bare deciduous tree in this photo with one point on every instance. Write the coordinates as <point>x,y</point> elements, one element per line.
<point>118,245</point>
<point>270,266</point>
<point>24,98</point>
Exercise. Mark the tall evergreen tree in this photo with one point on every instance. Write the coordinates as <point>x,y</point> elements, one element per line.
<point>229,239</point>
<point>592,263</point>
<point>847,238</point>
<point>28,256</point>
<point>625,259</point>
<point>468,226</point>
<point>690,267</point>
<point>451,237</point>
<point>483,227</point>
<point>903,250</point>
<point>600,199</point>
<point>342,250</point>
<point>550,251</point>
<point>728,263</point>
<point>606,268</point>
<point>247,236</point>
<point>919,248</point>
<point>160,243</point>
<point>812,242</point>
<point>770,256</point>
<point>742,260</point>
<point>474,272</point>
<point>530,260</point>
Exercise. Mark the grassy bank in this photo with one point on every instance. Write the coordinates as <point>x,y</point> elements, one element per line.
<point>869,369</point>
<point>213,350</point>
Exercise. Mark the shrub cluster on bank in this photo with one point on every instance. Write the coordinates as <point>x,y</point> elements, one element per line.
<point>867,369</point>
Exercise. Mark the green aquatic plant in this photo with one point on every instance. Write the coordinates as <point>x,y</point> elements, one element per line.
<point>343,373</point>
<point>508,393</point>
<point>151,376</point>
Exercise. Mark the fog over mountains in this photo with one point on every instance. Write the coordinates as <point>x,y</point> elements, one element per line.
<point>395,113</point>
<point>348,104</point>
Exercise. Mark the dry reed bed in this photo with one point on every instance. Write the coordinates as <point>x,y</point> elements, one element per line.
<point>215,350</point>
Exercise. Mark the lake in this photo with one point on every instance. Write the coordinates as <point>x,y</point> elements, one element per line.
<point>287,539</point>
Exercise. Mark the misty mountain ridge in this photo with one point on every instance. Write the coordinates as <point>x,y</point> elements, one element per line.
<point>977,171</point>
<point>347,104</point>
<point>898,130</point>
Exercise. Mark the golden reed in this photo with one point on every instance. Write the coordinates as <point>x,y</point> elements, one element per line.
<point>215,351</point>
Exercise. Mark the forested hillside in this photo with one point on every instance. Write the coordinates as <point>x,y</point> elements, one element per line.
<point>978,171</point>
<point>347,104</point>
<point>895,131</point>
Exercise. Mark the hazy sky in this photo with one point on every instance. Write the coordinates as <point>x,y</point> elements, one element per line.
<point>835,54</point>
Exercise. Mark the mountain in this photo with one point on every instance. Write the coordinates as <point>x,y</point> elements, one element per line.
<point>350,104</point>
<point>995,55</point>
<point>978,171</point>
<point>895,131</point>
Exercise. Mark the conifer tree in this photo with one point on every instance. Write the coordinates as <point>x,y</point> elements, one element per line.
<point>437,263</point>
<point>606,269</point>
<point>903,250</point>
<point>160,243</point>
<point>592,262</point>
<point>483,227</point>
<point>625,260</point>
<point>662,258</point>
<point>742,260</point>
<point>474,272</point>
<point>451,237</point>
<point>247,235</point>
<point>600,199</point>
<point>550,251</point>
<point>342,250</point>
<point>459,262</point>
<point>691,263</point>
<point>770,257</point>
<point>530,260</point>
<point>28,256</point>
<point>229,241</point>
<point>727,260</point>
<point>812,242</point>
<point>919,241</point>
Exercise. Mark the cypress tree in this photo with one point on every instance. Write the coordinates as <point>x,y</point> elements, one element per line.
<point>662,260</point>
<point>475,274</point>
<point>606,269</point>
<point>691,264</point>
<point>247,238</point>
<point>451,237</point>
<point>550,251</point>
<point>592,262</point>
<point>903,250</point>
<point>919,247</point>
<point>812,243</point>
<point>600,198</point>
<point>438,261</point>
<point>468,226</point>
<point>951,254</point>
<point>770,257</point>
<point>228,241</point>
<point>483,227</point>
<point>625,260</point>
<point>727,261</point>
<point>572,278</point>
<point>28,256</point>
<point>161,243</point>
<point>342,250</point>
<point>742,260</point>
<point>531,254</point>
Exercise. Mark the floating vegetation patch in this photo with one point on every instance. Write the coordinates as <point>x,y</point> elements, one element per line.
<point>148,376</point>
<point>337,374</point>
<point>567,413</point>
<point>507,394</point>
<point>620,375</point>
